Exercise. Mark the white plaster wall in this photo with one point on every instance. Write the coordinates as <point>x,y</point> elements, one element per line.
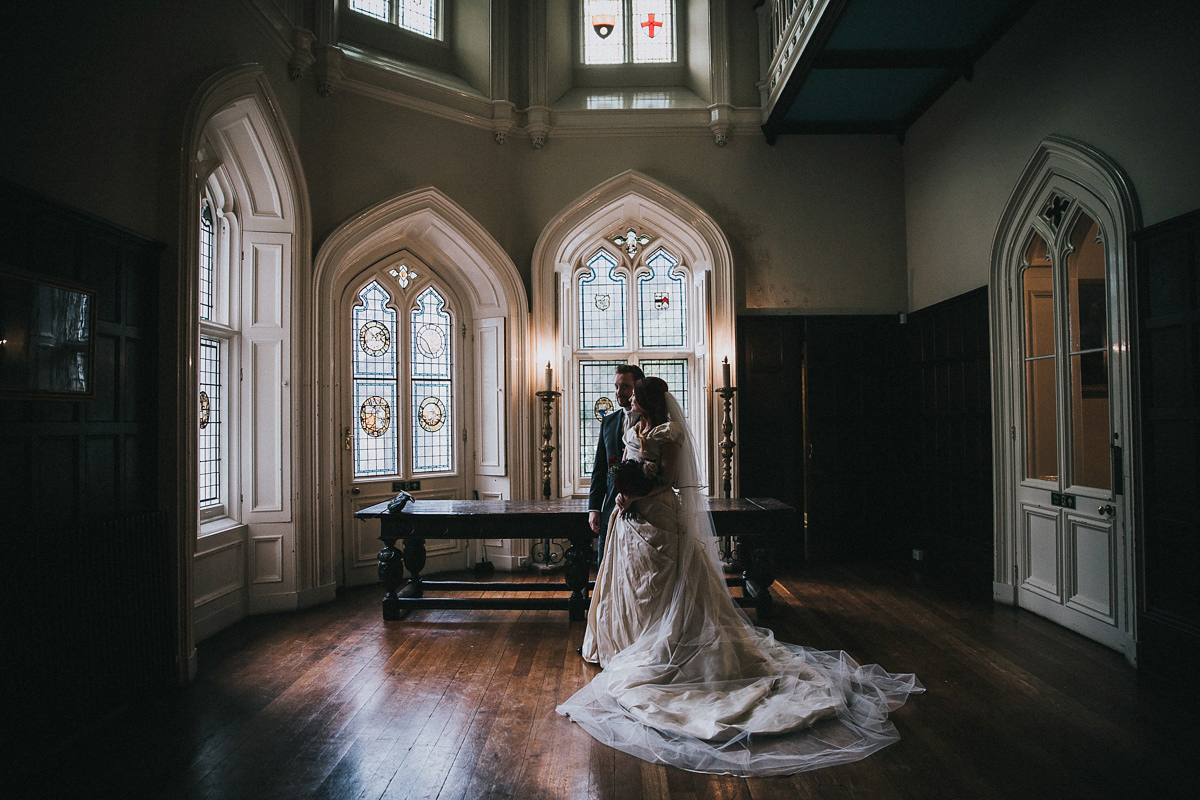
<point>816,223</point>
<point>1120,76</point>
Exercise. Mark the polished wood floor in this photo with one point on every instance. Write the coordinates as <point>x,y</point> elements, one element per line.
<point>332,702</point>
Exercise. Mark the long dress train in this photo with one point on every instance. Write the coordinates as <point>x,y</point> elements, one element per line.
<point>688,680</point>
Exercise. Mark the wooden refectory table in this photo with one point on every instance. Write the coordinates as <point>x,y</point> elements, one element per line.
<point>753,522</point>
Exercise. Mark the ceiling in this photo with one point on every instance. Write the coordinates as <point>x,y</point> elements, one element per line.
<point>875,66</point>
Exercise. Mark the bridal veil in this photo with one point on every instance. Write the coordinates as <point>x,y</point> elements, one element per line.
<point>702,688</point>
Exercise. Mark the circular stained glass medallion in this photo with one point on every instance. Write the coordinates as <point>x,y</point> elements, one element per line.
<point>375,416</point>
<point>374,338</point>
<point>205,410</point>
<point>603,406</point>
<point>432,414</point>
<point>430,340</point>
<point>603,301</point>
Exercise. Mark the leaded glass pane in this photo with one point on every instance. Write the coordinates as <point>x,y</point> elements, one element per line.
<point>603,32</point>
<point>419,16</point>
<point>1041,420</point>
<point>662,303</point>
<point>602,304</point>
<point>208,255</point>
<point>374,334</point>
<point>374,432</point>
<point>596,398</point>
<point>653,32</point>
<point>375,8</point>
<point>432,397</point>
<point>675,372</point>
<point>1087,324</point>
<point>211,409</point>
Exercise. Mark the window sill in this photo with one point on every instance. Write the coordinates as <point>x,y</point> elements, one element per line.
<point>218,525</point>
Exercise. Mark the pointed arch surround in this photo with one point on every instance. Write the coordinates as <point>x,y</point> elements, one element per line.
<point>437,231</point>
<point>595,220</point>
<point>1062,174</point>
<point>236,140</point>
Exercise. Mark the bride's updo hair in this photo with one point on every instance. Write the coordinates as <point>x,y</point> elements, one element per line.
<point>651,394</point>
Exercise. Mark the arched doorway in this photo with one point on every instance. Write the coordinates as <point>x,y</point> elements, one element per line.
<point>385,280</point>
<point>1062,385</point>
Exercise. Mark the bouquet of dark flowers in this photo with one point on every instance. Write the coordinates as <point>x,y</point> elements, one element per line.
<point>633,477</point>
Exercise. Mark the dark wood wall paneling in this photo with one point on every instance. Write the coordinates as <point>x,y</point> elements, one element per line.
<point>897,432</point>
<point>855,382</point>
<point>947,499</point>
<point>770,446</point>
<point>80,476</point>
<point>1168,292</point>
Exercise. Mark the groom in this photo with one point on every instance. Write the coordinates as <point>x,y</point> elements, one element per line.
<point>602,494</point>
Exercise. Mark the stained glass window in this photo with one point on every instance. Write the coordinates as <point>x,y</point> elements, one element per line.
<point>628,31</point>
<point>603,32</point>
<point>375,435</point>
<point>662,302</point>
<point>653,32</point>
<point>431,365</point>
<point>602,304</point>
<point>210,418</point>
<point>596,398</point>
<point>418,16</point>
<point>374,328</point>
<point>675,372</point>
<point>208,252</point>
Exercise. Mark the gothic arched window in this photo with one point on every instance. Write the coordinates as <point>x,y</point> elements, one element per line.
<point>632,301</point>
<point>403,380</point>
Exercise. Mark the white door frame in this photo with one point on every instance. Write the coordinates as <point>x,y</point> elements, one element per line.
<point>1082,172</point>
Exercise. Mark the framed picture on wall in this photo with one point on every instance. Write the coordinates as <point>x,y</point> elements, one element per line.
<point>47,344</point>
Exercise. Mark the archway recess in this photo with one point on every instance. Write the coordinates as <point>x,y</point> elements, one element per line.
<point>632,199</point>
<point>233,127</point>
<point>1064,528</point>
<point>431,226</point>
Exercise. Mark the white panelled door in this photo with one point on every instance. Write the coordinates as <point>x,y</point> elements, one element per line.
<point>405,368</point>
<point>1071,425</point>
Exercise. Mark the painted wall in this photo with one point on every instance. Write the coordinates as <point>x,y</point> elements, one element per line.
<point>816,223</point>
<point>1117,75</point>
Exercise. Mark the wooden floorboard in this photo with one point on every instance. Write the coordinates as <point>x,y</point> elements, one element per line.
<point>332,702</point>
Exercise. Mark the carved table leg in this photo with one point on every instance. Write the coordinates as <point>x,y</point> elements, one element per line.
<point>414,559</point>
<point>577,564</point>
<point>391,575</point>
<point>759,559</point>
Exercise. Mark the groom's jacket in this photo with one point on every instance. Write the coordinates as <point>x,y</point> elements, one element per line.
<point>602,495</point>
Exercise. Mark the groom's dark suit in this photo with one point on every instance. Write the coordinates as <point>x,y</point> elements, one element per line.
<point>602,496</point>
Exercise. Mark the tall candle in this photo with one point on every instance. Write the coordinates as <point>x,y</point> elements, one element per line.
<point>725,372</point>
<point>549,377</point>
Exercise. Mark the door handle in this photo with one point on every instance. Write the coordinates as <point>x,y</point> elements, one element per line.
<point>1106,510</point>
<point>355,490</point>
<point>347,443</point>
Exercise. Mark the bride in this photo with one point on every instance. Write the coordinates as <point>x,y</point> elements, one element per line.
<point>687,679</point>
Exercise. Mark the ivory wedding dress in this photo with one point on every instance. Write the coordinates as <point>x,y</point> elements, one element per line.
<point>688,680</point>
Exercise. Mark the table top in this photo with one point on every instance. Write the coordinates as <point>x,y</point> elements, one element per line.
<point>719,506</point>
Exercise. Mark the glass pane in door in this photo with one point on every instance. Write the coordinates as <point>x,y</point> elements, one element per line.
<point>1041,414</point>
<point>1087,324</point>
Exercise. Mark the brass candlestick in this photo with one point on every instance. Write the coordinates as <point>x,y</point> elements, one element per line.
<point>547,397</point>
<point>550,554</point>
<point>726,446</point>
<point>727,443</point>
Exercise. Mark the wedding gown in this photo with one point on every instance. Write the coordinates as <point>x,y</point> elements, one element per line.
<point>688,680</point>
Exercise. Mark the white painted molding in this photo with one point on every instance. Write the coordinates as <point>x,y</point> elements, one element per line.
<point>221,91</point>
<point>477,270</point>
<point>1071,167</point>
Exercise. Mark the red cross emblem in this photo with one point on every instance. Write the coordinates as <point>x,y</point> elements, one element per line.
<point>650,25</point>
